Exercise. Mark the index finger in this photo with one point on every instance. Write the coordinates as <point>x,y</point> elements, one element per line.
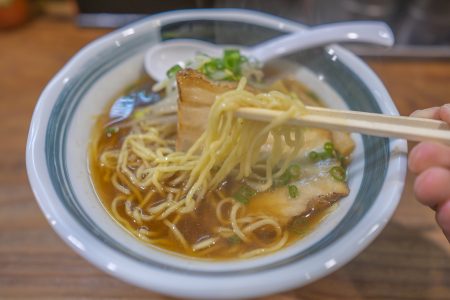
<point>427,113</point>
<point>437,113</point>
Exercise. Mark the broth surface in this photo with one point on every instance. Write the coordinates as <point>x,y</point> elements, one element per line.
<point>200,225</point>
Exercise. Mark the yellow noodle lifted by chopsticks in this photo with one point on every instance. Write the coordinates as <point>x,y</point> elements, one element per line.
<point>229,144</point>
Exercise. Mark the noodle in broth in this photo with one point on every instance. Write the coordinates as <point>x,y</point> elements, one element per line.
<point>186,202</point>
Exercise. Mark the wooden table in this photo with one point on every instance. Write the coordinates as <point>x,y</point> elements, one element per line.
<point>409,260</point>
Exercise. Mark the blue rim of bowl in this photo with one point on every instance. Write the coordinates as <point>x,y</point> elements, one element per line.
<point>376,150</point>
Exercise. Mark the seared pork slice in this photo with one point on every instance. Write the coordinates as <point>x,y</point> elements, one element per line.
<point>277,203</point>
<point>196,94</point>
<point>315,184</point>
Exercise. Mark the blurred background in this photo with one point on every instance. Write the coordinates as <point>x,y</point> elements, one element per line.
<point>421,27</point>
<point>410,260</point>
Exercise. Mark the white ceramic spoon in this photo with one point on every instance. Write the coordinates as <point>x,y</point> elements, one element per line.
<point>165,55</point>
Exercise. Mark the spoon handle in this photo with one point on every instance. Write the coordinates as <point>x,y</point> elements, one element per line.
<point>355,31</point>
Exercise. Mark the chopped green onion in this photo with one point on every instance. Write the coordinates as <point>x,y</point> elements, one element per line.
<point>294,171</point>
<point>212,67</point>
<point>232,60</point>
<point>111,130</point>
<point>293,191</point>
<point>173,70</point>
<point>219,64</point>
<point>243,194</point>
<point>325,155</point>
<point>338,173</point>
<point>226,68</point>
<point>282,180</point>
<point>328,152</point>
<point>231,54</point>
<point>213,63</point>
<point>208,69</point>
<point>234,240</point>
<point>313,156</point>
<point>328,147</point>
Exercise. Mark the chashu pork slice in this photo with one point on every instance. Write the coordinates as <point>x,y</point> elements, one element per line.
<point>315,184</point>
<point>196,94</point>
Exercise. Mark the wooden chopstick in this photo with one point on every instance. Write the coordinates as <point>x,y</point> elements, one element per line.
<point>414,129</point>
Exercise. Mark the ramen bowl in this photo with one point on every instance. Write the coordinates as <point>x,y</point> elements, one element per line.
<point>57,160</point>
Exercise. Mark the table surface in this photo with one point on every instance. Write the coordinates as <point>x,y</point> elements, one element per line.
<point>409,260</point>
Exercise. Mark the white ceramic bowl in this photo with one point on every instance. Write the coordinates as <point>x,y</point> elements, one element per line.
<point>58,170</point>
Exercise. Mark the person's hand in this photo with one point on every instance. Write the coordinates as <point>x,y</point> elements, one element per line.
<point>431,162</point>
